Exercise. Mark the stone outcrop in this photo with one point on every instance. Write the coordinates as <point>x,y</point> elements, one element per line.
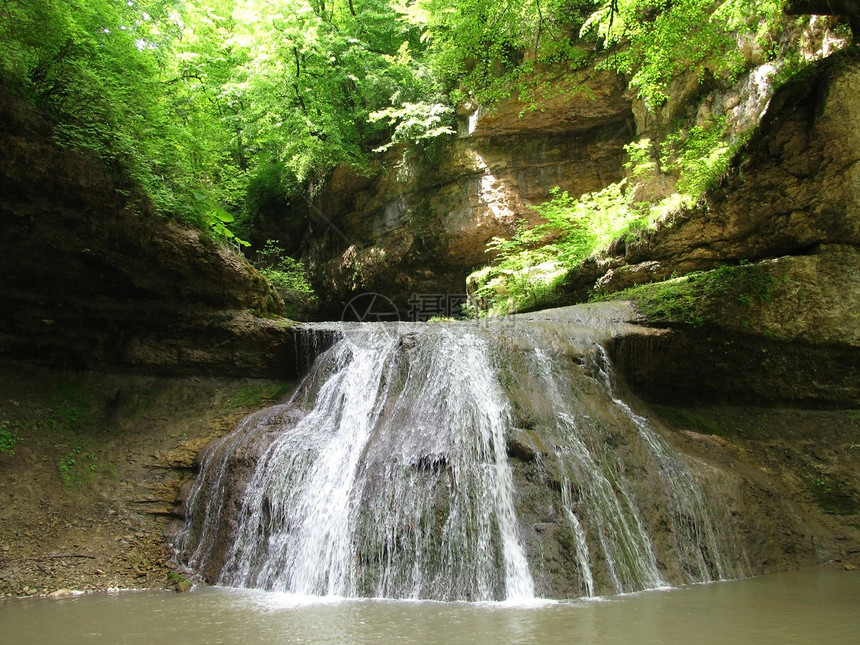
<point>796,186</point>
<point>790,208</point>
<point>422,225</point>
<point>89,277</point>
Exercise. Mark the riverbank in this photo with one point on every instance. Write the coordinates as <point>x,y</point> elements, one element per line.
<point>96,464</point>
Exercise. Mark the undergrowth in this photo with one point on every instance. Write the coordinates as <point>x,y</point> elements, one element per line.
<point>8,439</point>
<point>289,278</point>
<point>78,469</point>
<point>71,418</point>
<point>252,396</point>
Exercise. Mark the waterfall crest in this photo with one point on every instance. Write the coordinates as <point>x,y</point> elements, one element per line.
<point>455,462</point>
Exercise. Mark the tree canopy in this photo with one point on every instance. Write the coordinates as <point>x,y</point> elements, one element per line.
<point>208,103</point>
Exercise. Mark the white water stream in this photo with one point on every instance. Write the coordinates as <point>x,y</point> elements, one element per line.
<point>389,474</point>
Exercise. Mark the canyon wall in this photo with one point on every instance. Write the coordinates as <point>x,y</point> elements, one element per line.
<point>91,278</point>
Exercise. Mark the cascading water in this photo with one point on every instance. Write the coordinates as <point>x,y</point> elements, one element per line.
<point>455,462</point>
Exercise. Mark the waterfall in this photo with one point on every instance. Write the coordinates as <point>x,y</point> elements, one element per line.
<point>453,461</point>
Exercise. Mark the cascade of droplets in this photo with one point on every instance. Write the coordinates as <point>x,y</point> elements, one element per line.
<point>585,424</point>
<point>693,524</point>
<point>394,482</point>
<point>602,499</point>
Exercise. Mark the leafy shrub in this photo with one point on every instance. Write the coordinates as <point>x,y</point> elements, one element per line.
<point>660,39</point>
<point>415,122</point>
<point>289,278</point>
<point>530,267</point>
<point>699,155</point>
<point>77,469</point>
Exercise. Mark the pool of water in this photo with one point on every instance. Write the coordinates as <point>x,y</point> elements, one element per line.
<point>817,606</point>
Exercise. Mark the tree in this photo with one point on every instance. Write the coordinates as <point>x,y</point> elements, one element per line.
<point>486,49</point>
<point>654,40</point>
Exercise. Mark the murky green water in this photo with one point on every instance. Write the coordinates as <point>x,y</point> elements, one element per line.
<point>819,606</point>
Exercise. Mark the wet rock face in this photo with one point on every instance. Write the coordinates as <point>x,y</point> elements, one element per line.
<point>797,188</point>
<point>780,331</point>
<point>712,365</point>
<point>422,224</point>
<point>591,495</point>
<point>89,277</point>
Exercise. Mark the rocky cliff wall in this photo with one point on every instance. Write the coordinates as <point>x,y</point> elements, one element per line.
<point>789,206</point>
<point>791,212</point>
<point>796,185</point>
<point>421,224</point>
<point>90,278</point>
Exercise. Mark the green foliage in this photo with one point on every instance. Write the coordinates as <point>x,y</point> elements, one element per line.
<point>72,415</point>
<point>77,469</point>
<point>660,39</point>
<point>217,219</point>
<point>489,50</point>
<point>530,267</point>
<point>699,155</point>
<point>98,67</point>
<point>253,396</point>
<point>293,83</point>
<point>8,440</point>
<point>190,98</point>
<point>217,108</point>
<point>415,122</point>
<point>72,408</point>
<point>289,278</point>
<point>673,301</point>
<point>639,160</point>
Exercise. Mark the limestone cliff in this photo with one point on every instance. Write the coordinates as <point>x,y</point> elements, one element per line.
<point>796,185</point>
<point>791,208</point>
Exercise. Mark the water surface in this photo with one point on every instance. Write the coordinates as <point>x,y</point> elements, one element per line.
<point>819,606</point>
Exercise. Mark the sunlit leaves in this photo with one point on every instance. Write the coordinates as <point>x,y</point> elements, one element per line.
<point>205,95</point>
<point>661,39</point>
<point>415,122</point>
<point>486,50</point>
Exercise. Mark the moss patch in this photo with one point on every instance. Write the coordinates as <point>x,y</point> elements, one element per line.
<point>699,297</point>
